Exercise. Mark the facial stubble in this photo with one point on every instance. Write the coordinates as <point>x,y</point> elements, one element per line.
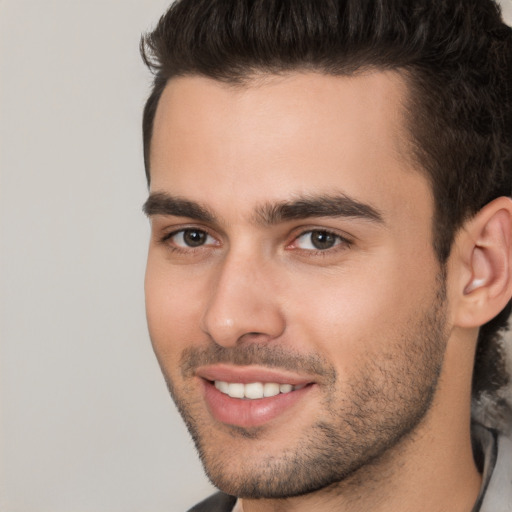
<point>363,420</point>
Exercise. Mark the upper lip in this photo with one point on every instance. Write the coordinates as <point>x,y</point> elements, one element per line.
<point>248,374</point>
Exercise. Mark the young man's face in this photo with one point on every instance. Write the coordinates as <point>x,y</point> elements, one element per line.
<point>291,264</point>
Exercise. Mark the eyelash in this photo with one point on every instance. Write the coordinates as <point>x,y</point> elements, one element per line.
<point>341,242</point>
<point>166,240</point>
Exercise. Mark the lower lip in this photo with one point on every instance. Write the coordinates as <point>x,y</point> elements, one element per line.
<point>249,413</point>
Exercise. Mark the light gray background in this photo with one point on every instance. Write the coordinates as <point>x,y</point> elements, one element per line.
<point>86,422</point>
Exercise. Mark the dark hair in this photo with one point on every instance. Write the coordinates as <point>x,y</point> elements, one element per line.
<point>455,56</point>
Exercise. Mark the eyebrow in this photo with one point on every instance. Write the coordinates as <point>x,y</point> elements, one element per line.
<point>302,207</point>
<point>338,205</point>
<point>160,203</point>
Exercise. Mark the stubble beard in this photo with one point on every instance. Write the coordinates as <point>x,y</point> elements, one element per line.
<point>364,419</point>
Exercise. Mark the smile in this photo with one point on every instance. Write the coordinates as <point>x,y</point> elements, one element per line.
<point>254,390</point>
<point>252,396</point>
<point>245,405</point>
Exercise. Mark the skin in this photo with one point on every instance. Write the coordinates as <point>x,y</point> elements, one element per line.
<point>373,318</point>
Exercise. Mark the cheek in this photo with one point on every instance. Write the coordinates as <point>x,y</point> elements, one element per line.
<point>361,313</point>
<point>173,310</point>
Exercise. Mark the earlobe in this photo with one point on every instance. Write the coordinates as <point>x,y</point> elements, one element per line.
<point>486,249</point>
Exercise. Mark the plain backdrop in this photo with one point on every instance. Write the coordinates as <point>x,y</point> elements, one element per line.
<point>86,423</point>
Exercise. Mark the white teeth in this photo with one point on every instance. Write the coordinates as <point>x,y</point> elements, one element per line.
<point>222,386</point>
<point>285,388</point>
<point>271,389</point>
<point>236,390</point>
<point>254,390</point>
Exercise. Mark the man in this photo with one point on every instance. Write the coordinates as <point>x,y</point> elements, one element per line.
<point>329,269</point>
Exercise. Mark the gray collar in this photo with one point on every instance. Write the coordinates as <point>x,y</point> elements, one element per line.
<point>496,491</point>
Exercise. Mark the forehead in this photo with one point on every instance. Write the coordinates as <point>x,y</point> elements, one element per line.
<point>233,147</point>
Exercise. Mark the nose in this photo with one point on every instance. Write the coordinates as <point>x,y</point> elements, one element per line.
<point>243,303</point>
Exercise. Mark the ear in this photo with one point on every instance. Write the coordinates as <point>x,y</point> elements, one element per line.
<point>484,259</point>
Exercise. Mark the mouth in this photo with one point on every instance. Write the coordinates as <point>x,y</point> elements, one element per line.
<point>248,397</point>
<point>254,390</point>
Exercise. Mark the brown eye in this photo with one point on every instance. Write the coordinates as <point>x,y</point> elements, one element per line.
<point>194,237</point>
<point>323,239</point>
<point>318,240</point>
<point>190,238</point>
